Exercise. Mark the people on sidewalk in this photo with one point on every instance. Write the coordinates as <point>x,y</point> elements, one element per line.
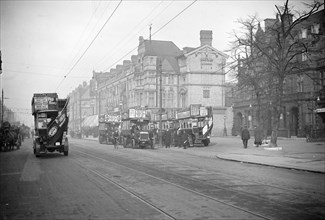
<point>258,135</point>
<point>116,136</point>
<point>167,138</point>
<point>184,139</point>
<point>151,138</point>
<point>245,136</point>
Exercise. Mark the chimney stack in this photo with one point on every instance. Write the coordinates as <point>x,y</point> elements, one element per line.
<point>206,37</point>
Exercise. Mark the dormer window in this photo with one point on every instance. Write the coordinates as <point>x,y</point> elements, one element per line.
<point>303,33</point>
<point>304,56</point>
<point>315,28</point>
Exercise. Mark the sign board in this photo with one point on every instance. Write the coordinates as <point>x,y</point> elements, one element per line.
<point>44,101</point>
<point>164,117</point>
<point>203,111</point>
<point>109,118</point>
<point>139,113</point>
<point>112,118</point>
<point>195,109</point>
<point>132,113</point>
<point>320,110</point>
<point>184,114</point>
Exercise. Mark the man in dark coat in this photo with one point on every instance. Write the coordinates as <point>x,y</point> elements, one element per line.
<point>245,136</point>
<point>167,138</point>
<point>151,138</point>
<point>115,139</point>
<point>184,139</point>
<point>258,135</point>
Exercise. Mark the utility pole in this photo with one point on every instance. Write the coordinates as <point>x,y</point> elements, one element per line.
<point>150,32</point>
<point>2,112</point>
<point>159,73</point>
<point>80,118</point>
<point>1,89</point>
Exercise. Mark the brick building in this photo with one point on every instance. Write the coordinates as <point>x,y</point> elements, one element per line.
<point>194,75</point>
<point>301,88</point>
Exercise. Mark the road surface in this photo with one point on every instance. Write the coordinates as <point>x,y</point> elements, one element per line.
<point>97,181</point>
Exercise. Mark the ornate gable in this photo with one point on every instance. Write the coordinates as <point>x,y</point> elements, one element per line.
<point>205,50</point>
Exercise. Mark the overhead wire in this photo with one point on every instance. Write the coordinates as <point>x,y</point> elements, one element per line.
<point>89,44</point>
<point>178,14</point>
<point>130,35</point>
<point>41,74</point>
<point>92,28</point>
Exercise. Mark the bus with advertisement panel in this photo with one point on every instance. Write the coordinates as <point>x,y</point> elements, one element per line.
<point>135,128</point>
<point>107,124</point>
<point>197,122</point>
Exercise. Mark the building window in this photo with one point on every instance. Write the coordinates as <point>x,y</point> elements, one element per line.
<point>322,78</point>
<point>206,93</point>
<point>183,98</point>
<point>304,56</point>
<point>164,80</point>
<point>315,28</point>
<point>170,99</point>
<point>300,83</point>
<point>140,99</point>
<point>151,99</point>
<point>170,79</point>
<point>303,33</point>
<point>164,99</point>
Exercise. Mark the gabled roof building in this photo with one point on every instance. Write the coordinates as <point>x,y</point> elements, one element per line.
<point>194,75</point>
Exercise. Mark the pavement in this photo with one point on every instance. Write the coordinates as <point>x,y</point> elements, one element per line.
<point>291,153</point>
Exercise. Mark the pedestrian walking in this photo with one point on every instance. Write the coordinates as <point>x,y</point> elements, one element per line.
<point>245,136</point>
<point>176,138</point>
<point>258,135</point>
<point>115,139</point>
<point>184,139</point>
<point>151,138</point>
<point>167,138</point>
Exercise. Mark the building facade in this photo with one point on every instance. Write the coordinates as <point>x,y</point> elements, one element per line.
<point>162,75</point>
<point>82,108</point>
<point>301,88</point>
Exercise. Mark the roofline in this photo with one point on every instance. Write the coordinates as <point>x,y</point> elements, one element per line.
<point>199,48</point>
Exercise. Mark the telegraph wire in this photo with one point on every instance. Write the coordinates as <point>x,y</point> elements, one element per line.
<point>128,36</point>
<point>89,45</point>
<point>174,17</point>
<point>41,74</point>
<point>92,31</point>
<point>152,34</point>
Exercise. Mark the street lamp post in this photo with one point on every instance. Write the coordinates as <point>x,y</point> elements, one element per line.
<point>2,107</point>
<point>224,126</point>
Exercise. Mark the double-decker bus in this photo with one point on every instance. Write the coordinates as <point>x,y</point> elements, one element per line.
<point>107,124</point>
<point>197,122</point>
<point>135,128</point>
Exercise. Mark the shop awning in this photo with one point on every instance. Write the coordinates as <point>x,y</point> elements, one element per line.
<point>90,121</point>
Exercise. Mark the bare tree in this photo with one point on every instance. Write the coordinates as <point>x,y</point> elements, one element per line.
<point>272,55</point>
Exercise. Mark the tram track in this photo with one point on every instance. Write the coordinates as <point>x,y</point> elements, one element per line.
<point>135,168</point>
<point>132,192</point>
<point>248,181</point>
<point>321,196</point>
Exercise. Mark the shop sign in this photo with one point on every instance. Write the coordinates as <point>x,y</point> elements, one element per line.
<point>184,114</point>
<point>203,111</point>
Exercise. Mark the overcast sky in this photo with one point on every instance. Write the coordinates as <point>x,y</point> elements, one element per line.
<point>43,41</point>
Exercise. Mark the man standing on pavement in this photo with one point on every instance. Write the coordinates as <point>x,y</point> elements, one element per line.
<point>184,138</point>
<point>245,136</point>
<point>115,139</point>
<point>258,136</point>
<point>151,138</point>
<point>167,138</point>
